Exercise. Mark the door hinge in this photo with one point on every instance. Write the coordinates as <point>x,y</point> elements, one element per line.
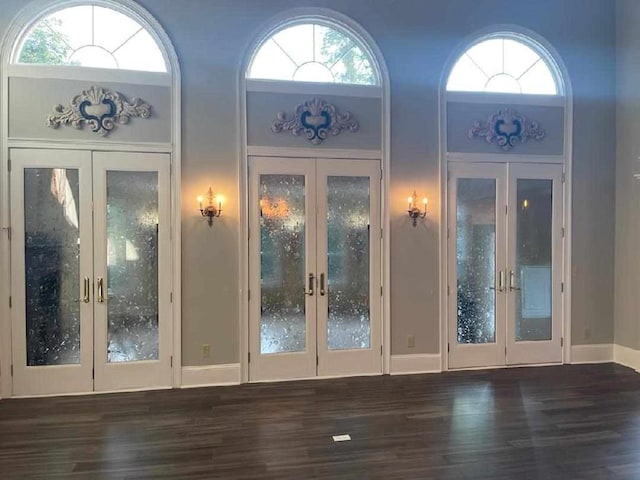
<point>9,164</point>
<point>564,177</point>
<point>448,290</point>
<point>171,361</point>
<point>10,302</point>
<point>562,232</point>
<point>12,370</point>
<point>8,229</point>
<point>381,291</point>
<point>448,232</point>
<point>381,233</point>
<point>448,347</point>
<point>249,357</point>
<point>562,341</point>
<point>562,287</point>
<point>317,361</point>
<point>506,209</point>
<point>93,373</point>
<point>381,350</point>
<point>171,297</point>
<point>505,351</point>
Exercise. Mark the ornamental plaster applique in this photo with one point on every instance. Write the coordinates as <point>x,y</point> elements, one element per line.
<point>507,128</point>
<point>100,109</point>
<point>315,119</point>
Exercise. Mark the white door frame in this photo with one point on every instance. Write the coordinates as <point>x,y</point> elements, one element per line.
<point>245,279</point>
<point>174,147</point>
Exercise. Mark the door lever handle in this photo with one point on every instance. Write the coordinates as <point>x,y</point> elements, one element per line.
<point>312,279</point>
<point>500,287</point>
<point>322,287</point>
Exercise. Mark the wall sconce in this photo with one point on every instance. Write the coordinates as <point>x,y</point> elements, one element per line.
<point>213,207</point>
<point>414,211</point>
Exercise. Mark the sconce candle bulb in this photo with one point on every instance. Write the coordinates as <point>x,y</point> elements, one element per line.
<point>211,209</point>
<point>414,210</point>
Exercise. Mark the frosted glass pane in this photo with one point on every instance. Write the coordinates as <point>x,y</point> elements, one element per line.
<point>476,260</point>
<point>533,259</point>
<point>348,219</point>
<point>132,266</point>
<point>52,266</point>
<point>282,263</point>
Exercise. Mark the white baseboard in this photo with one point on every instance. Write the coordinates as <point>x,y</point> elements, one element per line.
<point>211,375</point>
<point>627,356</point>
<point>601,353</point>
<point>418,363</point>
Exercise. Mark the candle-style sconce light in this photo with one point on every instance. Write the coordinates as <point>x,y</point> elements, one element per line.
<point>212,207</point>
<point>414,210</point>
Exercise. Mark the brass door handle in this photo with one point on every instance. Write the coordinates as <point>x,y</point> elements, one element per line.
<point>87,287</point>
<point>100,290</point>
<point>312,280</point>
<point>512,281</point>
<point>322,289</point>
<point>500,287</point>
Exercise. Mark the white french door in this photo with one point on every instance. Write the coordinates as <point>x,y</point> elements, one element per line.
<point>505,264</point>
<point>314,253</point>
<point>90,280</point>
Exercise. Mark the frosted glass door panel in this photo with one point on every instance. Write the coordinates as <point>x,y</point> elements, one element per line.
<point>282,263</point>
<point>476,260</point>
<point>348,282</point>
<point>532,276</point>
<point>52,266</point>
<point>132,266</point>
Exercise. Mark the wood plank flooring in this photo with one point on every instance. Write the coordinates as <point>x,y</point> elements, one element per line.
<point>569,422</point>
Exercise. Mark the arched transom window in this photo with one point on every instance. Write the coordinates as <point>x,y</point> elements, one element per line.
<point>91,36</point>
<point>313,52</point>
<point>504,64</point>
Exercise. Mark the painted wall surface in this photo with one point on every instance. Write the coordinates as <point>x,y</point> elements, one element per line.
<point>416,38</point>
<point>627,261</point>
<point>263,107</point>
<point>32,99</point>
<point>461,117</point>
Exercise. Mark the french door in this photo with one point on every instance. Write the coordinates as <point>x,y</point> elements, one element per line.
<point>314,252</point>
<point>505,264</point>
<point>90,271</point>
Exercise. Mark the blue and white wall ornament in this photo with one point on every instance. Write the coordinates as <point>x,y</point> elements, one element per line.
<point>315,119</point>
<point>507,128</point>
<point>99,108</point>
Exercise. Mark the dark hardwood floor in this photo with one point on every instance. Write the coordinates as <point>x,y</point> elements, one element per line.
<point>570,422</point>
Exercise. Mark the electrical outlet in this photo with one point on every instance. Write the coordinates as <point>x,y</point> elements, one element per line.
<point>206,350</point>
<point>587,333</point>
<point>411,341</point>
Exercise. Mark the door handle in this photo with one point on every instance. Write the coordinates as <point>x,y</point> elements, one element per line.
<point>312,280</point>
<point>322,290</point>
<point>100,290</point>
<point>512,281</point>
<point>500,286</point>
<point>87,286</point>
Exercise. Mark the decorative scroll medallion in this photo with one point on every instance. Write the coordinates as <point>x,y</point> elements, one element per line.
<point>315,119</point>
<point>507,128</point>
<point>99,108</point>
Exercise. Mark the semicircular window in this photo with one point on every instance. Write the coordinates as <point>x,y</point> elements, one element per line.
<point>312,52</point>
<point>503,65</point>
<point>91,36</point>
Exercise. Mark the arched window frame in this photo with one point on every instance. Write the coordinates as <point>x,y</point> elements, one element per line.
<point>328,19</point>
<point>37,11</point>
<point>528,39</point>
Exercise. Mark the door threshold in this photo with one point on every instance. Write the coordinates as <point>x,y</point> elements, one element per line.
<point>496,367</point>
<point>92,392</point>
<point>326,377</point>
